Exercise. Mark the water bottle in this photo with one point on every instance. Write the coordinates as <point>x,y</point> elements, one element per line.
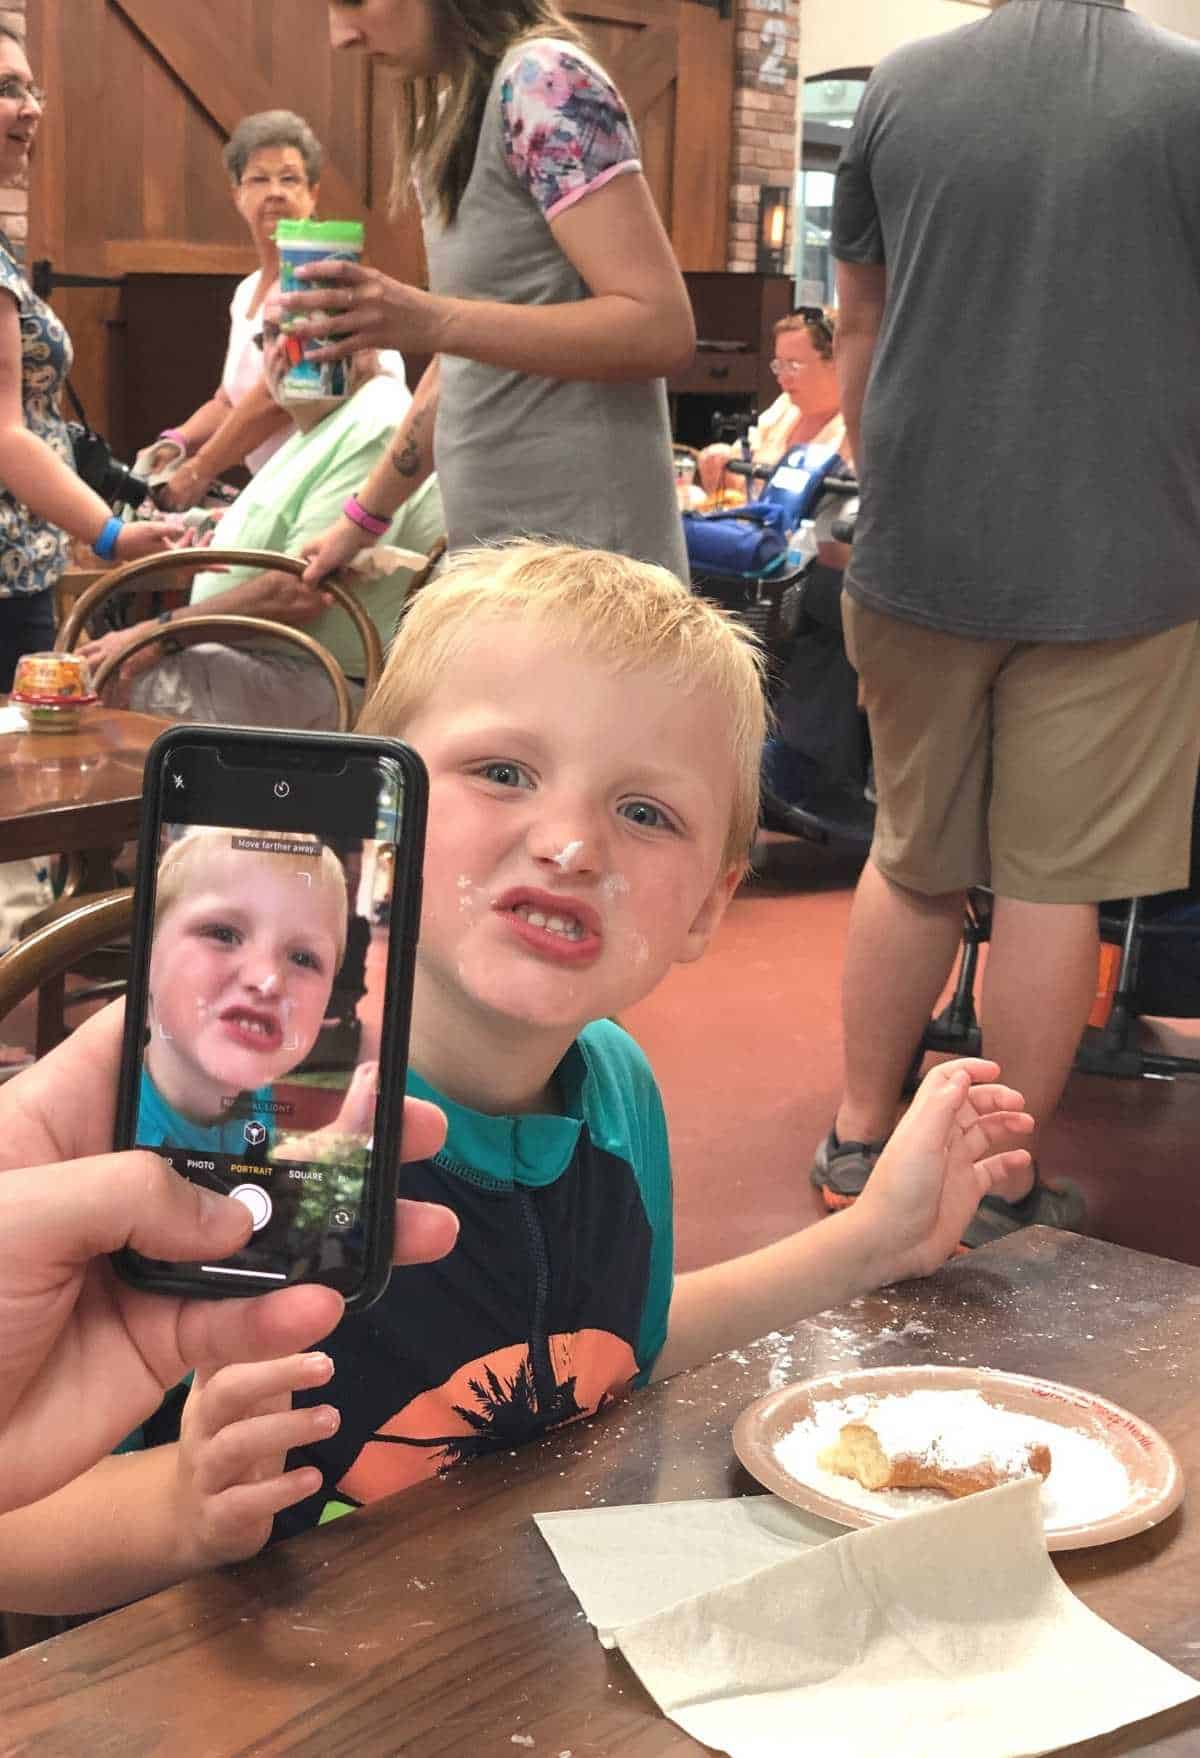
<point>802,546</point>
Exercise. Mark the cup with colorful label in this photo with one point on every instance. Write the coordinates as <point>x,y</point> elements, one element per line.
<point>302,242</point>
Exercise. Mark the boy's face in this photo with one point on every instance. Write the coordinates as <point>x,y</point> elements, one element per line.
<point>240,975</point>
<point>576,827</point>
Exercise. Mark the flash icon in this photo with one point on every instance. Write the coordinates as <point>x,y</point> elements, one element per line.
<point>177,780</point>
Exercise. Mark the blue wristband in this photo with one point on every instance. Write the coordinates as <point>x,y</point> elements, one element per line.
<point>105,545</point>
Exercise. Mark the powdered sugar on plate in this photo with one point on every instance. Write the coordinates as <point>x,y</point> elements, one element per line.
<point>1086,1482</point>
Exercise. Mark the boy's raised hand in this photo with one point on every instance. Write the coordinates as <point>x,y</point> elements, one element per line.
<point>237,1428</point>
<point>951,1148</point>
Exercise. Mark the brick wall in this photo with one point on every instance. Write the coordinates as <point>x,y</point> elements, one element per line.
<point>764,116</point>
<point>14,202</point>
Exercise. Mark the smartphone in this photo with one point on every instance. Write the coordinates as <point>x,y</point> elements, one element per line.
<point>266,1029</point>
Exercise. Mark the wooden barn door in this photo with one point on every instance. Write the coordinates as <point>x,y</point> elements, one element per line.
<point>128,181</point>
<point>674,63</point>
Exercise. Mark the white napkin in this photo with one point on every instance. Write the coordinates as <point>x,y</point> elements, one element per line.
<point>625,1564</point>
<point>947,1632</point>
<point>385,559</point>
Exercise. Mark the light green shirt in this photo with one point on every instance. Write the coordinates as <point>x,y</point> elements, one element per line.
<point>299,492</point>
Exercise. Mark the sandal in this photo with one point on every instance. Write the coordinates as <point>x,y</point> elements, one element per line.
<point>841,1169</point>
<point>1046,1205</point>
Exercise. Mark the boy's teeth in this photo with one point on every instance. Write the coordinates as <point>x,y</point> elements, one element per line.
<point>567,926</point>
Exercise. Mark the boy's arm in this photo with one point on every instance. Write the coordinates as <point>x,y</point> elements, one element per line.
<point>947,1153</point>
<point>727,1304</point>
<point>138,1522</point>
<point>105,1539</point>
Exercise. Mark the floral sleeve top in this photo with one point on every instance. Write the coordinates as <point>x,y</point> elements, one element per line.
<point>33,553</point>
<point>565,127</point>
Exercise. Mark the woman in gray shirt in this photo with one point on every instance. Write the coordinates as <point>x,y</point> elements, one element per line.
<point>556,306</point>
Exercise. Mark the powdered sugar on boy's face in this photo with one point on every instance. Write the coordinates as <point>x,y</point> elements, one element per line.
<point>576,830</point>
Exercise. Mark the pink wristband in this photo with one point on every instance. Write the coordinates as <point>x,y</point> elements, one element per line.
<point>173,433</point>
<point>358,515</point>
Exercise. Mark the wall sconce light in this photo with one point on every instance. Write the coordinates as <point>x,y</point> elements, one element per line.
<point>772,228</point>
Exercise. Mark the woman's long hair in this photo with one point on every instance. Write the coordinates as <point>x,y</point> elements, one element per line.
<point>438,120</point>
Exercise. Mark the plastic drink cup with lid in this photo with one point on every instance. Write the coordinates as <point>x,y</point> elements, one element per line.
<point>308,241</point>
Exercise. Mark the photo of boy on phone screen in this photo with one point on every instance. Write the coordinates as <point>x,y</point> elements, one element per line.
<point>247,964</point>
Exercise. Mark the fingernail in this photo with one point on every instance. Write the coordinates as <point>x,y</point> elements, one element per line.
<point>326,1420</point>
<point>318,1367</point>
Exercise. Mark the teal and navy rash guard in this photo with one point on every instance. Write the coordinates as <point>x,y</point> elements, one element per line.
<point>553,1301</point>
<point>160,1125</point>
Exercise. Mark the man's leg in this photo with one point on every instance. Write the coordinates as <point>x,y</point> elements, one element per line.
<point>927,698</point>
<point>900,950</point>
<point>1039,982</point>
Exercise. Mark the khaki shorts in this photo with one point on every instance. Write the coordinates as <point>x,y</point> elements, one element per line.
<point>1053,772</point>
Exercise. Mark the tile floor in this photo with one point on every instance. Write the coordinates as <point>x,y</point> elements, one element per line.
<point>747,1047</point>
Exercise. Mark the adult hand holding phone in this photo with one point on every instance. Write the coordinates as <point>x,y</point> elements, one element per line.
<point>84,1357</point>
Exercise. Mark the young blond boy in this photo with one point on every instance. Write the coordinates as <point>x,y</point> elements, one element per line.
<point>592,734</point>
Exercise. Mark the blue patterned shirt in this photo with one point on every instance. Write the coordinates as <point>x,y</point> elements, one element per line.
<point>34,553</point>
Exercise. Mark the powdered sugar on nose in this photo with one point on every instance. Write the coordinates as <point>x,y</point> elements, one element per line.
<point>562,860</point>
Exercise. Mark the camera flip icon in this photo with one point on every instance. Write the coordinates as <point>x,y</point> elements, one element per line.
<point>255,1134</point>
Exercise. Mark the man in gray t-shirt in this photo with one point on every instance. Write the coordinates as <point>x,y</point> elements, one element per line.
<point>1017,227</point>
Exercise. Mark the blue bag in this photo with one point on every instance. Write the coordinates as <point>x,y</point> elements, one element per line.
<point>751,541</point>
<point>747,541</point>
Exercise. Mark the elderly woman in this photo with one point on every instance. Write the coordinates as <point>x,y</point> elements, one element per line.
<point>807,408</point>
<point>274,164</point>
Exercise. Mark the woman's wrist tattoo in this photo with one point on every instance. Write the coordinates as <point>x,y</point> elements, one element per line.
<point>406,459</point>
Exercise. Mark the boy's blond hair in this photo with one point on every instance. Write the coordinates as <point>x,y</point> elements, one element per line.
<point>629,612</point>
<point>178,866</point>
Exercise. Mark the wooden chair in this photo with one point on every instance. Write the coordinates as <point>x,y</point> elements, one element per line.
<point>147,576</point>
<point>39,965</point>
<point>423,575</point>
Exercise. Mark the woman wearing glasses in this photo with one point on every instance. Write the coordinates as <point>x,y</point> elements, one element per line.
<point>806,409</point>
<point>274,164</point>
<point>556,307</point>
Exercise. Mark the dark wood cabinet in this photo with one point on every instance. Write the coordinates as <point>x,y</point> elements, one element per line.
<point>731,374</point>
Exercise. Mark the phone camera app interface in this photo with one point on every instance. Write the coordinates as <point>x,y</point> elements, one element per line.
<point>261,1041</point>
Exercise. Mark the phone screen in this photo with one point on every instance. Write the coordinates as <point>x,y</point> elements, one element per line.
<point>269,1045</point>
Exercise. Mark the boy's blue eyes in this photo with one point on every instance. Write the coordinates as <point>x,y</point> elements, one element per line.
<point>505,774</point>
<point>648,816</point>
<point>226,935</point>
<point>221,931</point>
<point>644,813</point>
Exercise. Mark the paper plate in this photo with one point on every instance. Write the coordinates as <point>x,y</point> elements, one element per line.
<point>1154,1473</point>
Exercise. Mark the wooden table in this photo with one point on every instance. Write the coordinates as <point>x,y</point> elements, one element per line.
<point>437,1622</point>
<point>63,793</point>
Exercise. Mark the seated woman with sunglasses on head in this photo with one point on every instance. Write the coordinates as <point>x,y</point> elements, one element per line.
<point>807,408</point>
